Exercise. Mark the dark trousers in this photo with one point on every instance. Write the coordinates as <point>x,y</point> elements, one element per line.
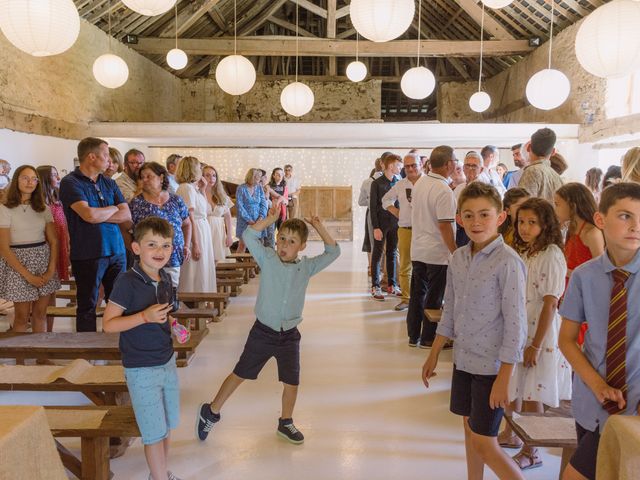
<point>89,274</point>
<point>390,236</point>
<point>428,283</point>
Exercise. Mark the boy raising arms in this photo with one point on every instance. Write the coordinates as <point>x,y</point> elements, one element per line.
<point>283,284</point>
<point>484,313</point>
<point>138,308</point>
<point>600,293</point>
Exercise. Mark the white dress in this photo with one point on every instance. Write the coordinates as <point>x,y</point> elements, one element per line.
<point>198,275</point>
<point>215,217</point>
<point>550,380</point>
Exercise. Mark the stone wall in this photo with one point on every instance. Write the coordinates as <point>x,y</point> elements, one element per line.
<point>507,90</point>
<point>58,95</point>
<point>204,101</point>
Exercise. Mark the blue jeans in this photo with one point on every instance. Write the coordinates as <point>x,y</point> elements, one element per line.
<point>89,274</point>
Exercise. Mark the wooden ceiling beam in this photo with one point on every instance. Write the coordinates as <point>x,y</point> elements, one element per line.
<point>343,12</point>
<point>312,47</point>
<point>312,7</point>
<point>188,16</point>
<point>491,26</point>
<point>290,26</point>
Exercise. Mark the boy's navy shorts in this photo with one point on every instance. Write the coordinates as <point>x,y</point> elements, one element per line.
<point>264,343</point>
<point>470,398</point>
<point>585,456</point>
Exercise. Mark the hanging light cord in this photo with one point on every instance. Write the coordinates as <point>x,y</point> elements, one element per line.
<point>235,29</point>
<point>296,41</point>
<point>419,29</point>
<point>481,47</point>
<point>176,6</point>
<point>109,21</point>
<point>356,46</point>
<point>551,32</point>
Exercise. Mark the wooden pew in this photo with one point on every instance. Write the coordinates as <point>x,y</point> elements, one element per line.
<point>195,318</point>
<point>87,345</point>
<point>249,267</point>
<point>219,300</point>
<point>433,314</point>
<point>567,443</point>
<point>230,285</point>
<point>68,312</point>
<point>94,438</point>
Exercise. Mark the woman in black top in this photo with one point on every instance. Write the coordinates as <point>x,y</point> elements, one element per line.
<point>279,189</point>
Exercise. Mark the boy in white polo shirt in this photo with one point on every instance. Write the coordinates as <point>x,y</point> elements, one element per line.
<point>433,213</point>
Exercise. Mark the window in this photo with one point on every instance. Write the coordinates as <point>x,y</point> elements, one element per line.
<point>623,96</point>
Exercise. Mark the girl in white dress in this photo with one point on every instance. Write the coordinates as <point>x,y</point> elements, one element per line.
<point>197,274</point>
<point>544,376</point>
<point>218,213</point>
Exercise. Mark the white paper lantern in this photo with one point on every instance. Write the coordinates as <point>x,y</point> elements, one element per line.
<point>382,20</point>
<point>177,59</point>
<point>356,71</point>
<point>418,83</point>
<point>497,3</point>
<point>110,70</point>
<point>548,89</point>
<point>608,43</point>
<point>479,101</point>
<point>149,8</point>
<point>40,27</point>
<point>235,74</point>
<point>297,99</point>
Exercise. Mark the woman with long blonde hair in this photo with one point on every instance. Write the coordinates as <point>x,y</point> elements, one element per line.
<point>631,165</point>
<point>218,213</point>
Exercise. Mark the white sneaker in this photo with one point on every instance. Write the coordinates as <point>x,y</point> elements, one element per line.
<point>376,294</point>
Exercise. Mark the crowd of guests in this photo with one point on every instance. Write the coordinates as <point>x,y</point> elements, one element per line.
<point>82,225</point>
<point>498,249</point>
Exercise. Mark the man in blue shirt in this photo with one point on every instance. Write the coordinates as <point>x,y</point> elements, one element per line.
<point>283,284</point>
<point>94,208</point>
<point>601,293</point>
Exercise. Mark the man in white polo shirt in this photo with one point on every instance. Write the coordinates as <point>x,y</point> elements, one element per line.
<point>293,185</point>
<point>433,212</point>
<point>401,192</point>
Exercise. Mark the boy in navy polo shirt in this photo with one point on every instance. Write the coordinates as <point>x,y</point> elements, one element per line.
<point>601,293</point>
<point>283,284</point>
<point>139,308</point>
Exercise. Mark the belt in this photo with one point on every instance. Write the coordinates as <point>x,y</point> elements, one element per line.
<point>29,245</point>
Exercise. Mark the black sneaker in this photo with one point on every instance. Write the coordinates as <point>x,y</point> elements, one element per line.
<point>288,431</point>
<point>205,421</point>
<point>413,342</point>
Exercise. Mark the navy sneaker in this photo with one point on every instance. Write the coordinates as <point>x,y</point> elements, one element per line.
<point>288,431</point>
<point>205,421</point>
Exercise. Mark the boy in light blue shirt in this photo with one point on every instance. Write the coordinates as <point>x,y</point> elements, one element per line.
<point>601,293</point>
<point>283,284</point>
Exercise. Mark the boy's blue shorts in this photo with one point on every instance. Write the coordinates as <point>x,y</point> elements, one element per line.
<point>155,397</point>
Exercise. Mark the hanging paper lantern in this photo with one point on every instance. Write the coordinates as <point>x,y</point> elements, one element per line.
<point>40,27</point>
<point>356,71</point>
<point>235,74</point>
<point>110,70</point>
<point>607,42</point>
<point>150,8</point>
<point>548,89</point>
<point>495,4</point>
<point>381,20</point>
<point>177,59</point>
<point>479,101</point>
<point>297,99</point>
<point>418,83</point>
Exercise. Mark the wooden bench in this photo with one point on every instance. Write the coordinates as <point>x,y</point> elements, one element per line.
<point>195,318</point>
<point>219,300</point>
<point>87,345</point>
<point>94,438</point>
<point>68,312</point>
<point>247,267</point>
<point>229,285</point>
<point>433,314</point>
<point>567,443</point>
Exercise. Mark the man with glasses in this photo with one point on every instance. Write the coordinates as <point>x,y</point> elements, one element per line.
<point>94,208</point>
<point>472,168</point>
<point>401,193</point>
<point>128,181</point>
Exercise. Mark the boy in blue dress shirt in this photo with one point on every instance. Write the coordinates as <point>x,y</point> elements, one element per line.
<point>283,284</point>
<point>484,313</point>
<point>600,293</point>
<point>139,308</point>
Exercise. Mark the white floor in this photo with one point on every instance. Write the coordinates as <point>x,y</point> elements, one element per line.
<point>362,406</point>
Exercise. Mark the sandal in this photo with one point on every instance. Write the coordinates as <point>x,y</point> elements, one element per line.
<point>510,441</point>
<point>527,460</point>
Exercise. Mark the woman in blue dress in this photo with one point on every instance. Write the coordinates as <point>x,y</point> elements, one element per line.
<point>251,204</point>
<point>156,201</point>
